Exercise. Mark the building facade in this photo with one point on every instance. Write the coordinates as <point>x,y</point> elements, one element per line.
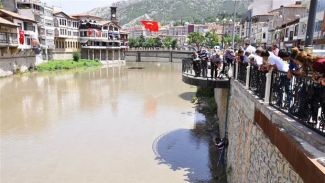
<point>102,40</point>
<point>66,35</point>
<point>27,28</point>
<point>8,37</point>
<point>43,15</point>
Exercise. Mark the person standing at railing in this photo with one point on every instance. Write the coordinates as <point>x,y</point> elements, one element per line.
<point>215,64</point>
<point>203,55</point>
<point>196,64</point>
<point>229,58</point>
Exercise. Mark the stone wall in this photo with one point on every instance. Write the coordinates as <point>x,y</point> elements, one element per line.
<point>251,157</point>
<point>220,95</point>
<point>10,65</point>
<point>62,55</point>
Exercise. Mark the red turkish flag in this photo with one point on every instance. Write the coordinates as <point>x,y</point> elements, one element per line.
<point>21,36</point>
<point>90,32</point>
<point>151,25</point>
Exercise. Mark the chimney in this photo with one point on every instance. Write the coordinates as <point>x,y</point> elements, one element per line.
<point>113,14</point>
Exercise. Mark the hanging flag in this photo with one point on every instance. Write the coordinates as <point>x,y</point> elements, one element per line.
<point>21,36</point>
<point>98,33</point>
<point>152,26</point>
<point>90,32</point>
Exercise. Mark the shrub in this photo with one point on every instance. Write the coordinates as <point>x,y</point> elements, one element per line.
<point>76,56</point>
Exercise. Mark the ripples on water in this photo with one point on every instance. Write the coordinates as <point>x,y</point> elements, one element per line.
<point>109,125</point>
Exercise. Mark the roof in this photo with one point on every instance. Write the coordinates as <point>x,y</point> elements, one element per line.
<point>85,15</point>
<point>289,6</point>
<point>58,12</point>
<point>15,15</point>
<point>6,22</point>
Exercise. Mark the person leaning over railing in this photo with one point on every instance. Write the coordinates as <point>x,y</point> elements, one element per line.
<point>229,58</point>
<point>311,94</point>
<point>196,64</point>
<point>215,64</point>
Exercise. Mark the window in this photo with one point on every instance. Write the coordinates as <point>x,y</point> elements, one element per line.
<point>48,22</point>
<point>286,32</point>
<point>264,35</point>
<point>318,26</point>
<point>296,30</point>
<point>69,33</point>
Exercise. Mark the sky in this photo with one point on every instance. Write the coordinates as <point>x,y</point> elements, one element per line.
<point>78,6</point>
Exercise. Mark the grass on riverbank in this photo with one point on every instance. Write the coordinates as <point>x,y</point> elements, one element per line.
<point>66,64</point>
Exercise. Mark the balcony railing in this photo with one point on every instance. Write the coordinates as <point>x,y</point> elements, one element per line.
<point>301,98</point>
<point>8,38</point>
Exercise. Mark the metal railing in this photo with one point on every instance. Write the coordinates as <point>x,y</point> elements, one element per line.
<point>206,70</point>
<point>242,72</point>
<point>257,81</point>
<point>301,98</point>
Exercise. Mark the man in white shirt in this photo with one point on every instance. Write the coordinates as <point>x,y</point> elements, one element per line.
<point>277,63</point>
<point>249,48</point>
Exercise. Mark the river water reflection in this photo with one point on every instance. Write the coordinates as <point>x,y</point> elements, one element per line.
<point>117,125</point>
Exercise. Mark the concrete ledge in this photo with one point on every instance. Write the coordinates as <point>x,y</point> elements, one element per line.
<point>204,82</point>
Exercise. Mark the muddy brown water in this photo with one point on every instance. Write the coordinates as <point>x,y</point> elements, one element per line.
<point>109,125</point>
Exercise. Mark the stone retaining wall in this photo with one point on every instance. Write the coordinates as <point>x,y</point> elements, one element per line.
<point>251,156</point>
<point>10,65</point>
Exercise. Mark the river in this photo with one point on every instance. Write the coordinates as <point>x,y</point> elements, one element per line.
<point>128,124</point>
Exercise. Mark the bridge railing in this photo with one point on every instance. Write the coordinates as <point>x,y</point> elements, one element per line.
<point>242,72</point>
<point>206,70</point>
<point>301,98</point>
<point>257,81</point>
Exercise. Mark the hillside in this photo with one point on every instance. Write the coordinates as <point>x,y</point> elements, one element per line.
<point>166,11</point>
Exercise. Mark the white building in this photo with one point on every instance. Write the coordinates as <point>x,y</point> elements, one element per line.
<point>43,15</point>
<point>27,26</point>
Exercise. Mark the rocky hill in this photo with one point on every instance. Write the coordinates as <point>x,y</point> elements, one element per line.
<point>165,11</point>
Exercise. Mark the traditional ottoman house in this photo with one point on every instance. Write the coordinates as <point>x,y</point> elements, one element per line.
<point>101,39</point>
<point>66,36</point>
<point>43,15</point>
<point>8,37</point>
<point>26,30</point>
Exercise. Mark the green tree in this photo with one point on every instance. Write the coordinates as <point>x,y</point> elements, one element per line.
<point>157,42</point>
<point>132,42</point>
<point>174,43</point>
<point>212,39</point>
<point>140,41</point>
<point>167,42</point>
<point>196,38</point>
<point>149,42</point>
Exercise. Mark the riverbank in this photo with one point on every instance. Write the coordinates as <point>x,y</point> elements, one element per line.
<point>67,64</point>
<point>206,105</point>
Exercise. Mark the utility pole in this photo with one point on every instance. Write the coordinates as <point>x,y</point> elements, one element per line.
<point>233,30</point>
<point>311,26</point>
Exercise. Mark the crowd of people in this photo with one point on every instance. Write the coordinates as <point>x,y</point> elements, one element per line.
<point>307,89</point>
<point>294,62</point>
